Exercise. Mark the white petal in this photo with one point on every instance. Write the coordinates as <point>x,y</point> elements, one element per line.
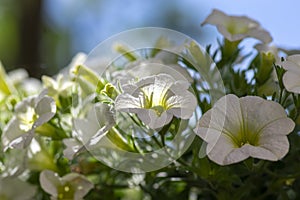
<point>246,151</point>
<point>281,126</point>
<point>291,81</point>
<point>80,184</point>
<point>18,75</point>
<point>46,109</point>
<point>295,59</point>
<point>78,59</point>
<point>97,137</point>
<point>218,151</point>
<point>99,119</point>
<point>49,82</point>
<point>261,153</point>
<point>85,129</point>
<point>258,112</point>
<point>154,67</point>
<point>226,116</point>
<point>50,182</point>
<point>150,118</point>
<point>126,103</point>
<point>277,144</point>
<point>261,35</point>
<point>209,135</point>
<point>23,141</point>
<point>236,155</point>
<point>72,147</point>
<point>31,86</point>
<point>183,106</point>
<point>179,86</point>
<point>22,106</point>
<point>291,66</point>
<point>14,137</point>
<point>216,17</point>
<point>10,132</point>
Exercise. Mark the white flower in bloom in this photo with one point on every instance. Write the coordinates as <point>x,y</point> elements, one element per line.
<point>71,186</point>
<point>156,99</point>
<point>235,28</point>
<point>30,113</point>
<point>23,83</point>
<point>15,189</point>
<point>291,78</point>
<point>57,87</point>
<point>89,130</point>
<point>238,128</point>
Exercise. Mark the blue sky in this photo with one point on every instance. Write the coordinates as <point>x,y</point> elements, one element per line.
<point>92,21</point>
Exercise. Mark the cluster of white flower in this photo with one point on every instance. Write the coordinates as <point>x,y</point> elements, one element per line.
<point>81,108</point>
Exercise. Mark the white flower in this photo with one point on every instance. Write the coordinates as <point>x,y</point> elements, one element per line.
<point>15,189</point>
<point>235,28</point>
<point>266,48</point>
<point>156,99</point>
<point>90,129</point>
<point>71,186</point>
<point>57,87</point>
<point>30,113</point>
<point>20,79</point>
<point>291,78</point>
<point>238,128</point>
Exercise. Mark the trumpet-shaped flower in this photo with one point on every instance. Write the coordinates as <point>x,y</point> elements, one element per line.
<point>235,28</point>
<point>291,78</point>
<point>71,186</point>
<point>30,113</point>
<point>238,128</point>
<point>15,189</point>
<point>156,99</point>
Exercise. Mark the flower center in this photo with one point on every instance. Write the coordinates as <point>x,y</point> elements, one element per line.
<point>65,192</point>
<point>156,101</point>
<point>246,137</point>
<point>158,110</point>
<point>27,119</point>
<point>233,28</point>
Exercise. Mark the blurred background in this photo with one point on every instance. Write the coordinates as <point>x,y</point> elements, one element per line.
<point>43,35</point>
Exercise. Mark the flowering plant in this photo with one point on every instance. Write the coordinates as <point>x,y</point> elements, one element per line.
<point>157,117</point>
